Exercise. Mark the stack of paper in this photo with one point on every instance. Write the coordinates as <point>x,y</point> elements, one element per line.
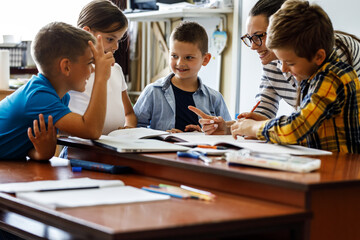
<point>79,192</point>
<point>90,197</point>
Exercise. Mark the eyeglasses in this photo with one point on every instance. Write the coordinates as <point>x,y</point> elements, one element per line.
<point>256,38</point>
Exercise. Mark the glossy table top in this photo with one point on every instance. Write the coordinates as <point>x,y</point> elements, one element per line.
<point>141,217</point>
<point>336,168</point>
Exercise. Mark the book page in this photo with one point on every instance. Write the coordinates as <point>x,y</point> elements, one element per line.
<point>91,197</point>
<point>57,184</point>
<point>136,133</point>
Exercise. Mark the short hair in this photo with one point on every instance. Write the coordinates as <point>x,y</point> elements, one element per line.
<point>302,27</point>
<point>266,7</point>
<point>102,16</point>
<point>191,32</point>
<point>59,40</point>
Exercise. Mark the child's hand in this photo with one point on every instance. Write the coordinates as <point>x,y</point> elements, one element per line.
<point>174,130</point>
<point>103,61</point>
<point>245,127</point>
<point>210,124</point>
<point>192,128</point>
<point>252,115</point>
<point>44,140</point>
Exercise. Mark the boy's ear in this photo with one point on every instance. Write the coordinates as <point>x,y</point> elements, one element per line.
<point>86,28</point>
<point>320,56</point>
<point>207,58</point>
<point>65,66</point>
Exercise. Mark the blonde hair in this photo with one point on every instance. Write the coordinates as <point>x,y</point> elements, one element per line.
<point>302,27</point>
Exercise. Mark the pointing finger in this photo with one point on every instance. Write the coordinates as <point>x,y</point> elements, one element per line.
<point>199,112</point>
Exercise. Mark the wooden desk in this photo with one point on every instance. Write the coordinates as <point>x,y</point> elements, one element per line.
<point>229,216</point>
<point>4,93</point>
<point>332,194</point>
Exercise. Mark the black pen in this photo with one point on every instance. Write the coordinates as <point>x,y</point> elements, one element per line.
<point>65,189</point>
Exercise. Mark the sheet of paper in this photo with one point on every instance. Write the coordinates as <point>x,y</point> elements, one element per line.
<point>136,133</point>
<point>253,145</point>
<point>200,138</point>
<point>281,149</point>
<point>57,184</point>
<point>90,197</point>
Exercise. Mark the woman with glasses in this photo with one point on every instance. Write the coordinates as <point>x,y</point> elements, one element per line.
<point>275,85</point>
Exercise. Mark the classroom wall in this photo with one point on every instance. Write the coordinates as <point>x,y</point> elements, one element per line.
<point>344,15</point>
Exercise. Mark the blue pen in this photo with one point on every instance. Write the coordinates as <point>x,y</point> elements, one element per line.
<point>196,155</point>
<point>161,192</point>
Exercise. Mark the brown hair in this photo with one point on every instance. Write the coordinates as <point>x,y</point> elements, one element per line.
<point>103,16</point>
<point>302,27</point>
<point>59,40</point>
<point>191,32</point>
<point>266,8</point>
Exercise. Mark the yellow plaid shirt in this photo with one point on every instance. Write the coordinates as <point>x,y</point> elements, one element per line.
<point>329,115</point>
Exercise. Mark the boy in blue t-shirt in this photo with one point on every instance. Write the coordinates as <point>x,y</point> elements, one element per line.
<point>163,105</point>
<point>64,56</point>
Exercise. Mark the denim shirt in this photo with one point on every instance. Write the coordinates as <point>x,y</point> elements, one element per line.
<point>156,109</point>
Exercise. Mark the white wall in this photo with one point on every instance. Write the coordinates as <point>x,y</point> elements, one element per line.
<point>344,15</point>
<point>25,17</point>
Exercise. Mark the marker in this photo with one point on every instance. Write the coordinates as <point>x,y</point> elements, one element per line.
<point>162,191</point>
<point>193,194</point>
<point>212,147</point>
<point>76,169</point>
<point>197,190</point>
<point>196,155</point>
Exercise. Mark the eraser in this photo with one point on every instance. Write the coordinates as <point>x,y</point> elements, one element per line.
<point>76,169</point>
<point>59,162</point>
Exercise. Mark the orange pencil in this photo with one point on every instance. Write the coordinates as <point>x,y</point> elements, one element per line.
<point>252,110</point>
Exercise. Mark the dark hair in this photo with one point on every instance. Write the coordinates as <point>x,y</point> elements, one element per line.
<point>339,44</point>
<point>266,7</point>
<point>191,32</point>
<point>297,25</point>
<point>59,40</point>
<point>103,16</point>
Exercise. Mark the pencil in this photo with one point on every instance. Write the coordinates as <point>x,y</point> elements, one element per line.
<point>252,110</point>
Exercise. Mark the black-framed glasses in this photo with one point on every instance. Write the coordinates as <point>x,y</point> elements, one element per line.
<point>256,38</point>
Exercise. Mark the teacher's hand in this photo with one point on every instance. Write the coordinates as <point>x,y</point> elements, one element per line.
<point>253,116</point>
<point>211,125</point>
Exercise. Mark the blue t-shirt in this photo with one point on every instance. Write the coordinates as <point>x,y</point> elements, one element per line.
<point>20,109</point>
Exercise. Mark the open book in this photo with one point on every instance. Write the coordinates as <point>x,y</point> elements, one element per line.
<point>196,138</point>
<point>148,133</point>
<point>79,192</point>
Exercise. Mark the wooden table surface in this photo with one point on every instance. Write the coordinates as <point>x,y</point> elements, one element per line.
<point>228,216</point>
<point>332,193</point>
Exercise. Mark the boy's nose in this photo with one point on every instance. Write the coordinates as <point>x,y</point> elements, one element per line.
<point>284,67</point>
<point>180,61</point>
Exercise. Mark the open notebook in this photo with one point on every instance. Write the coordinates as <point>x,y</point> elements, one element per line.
<point>196,138</point>
<point>79,192</point>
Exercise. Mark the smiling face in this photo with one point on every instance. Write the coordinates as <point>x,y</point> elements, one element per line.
<point>300,68</point>
<point>186,60</point>
<point>110,40</point>
<point>80,71</point>
<point>258,25</point>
